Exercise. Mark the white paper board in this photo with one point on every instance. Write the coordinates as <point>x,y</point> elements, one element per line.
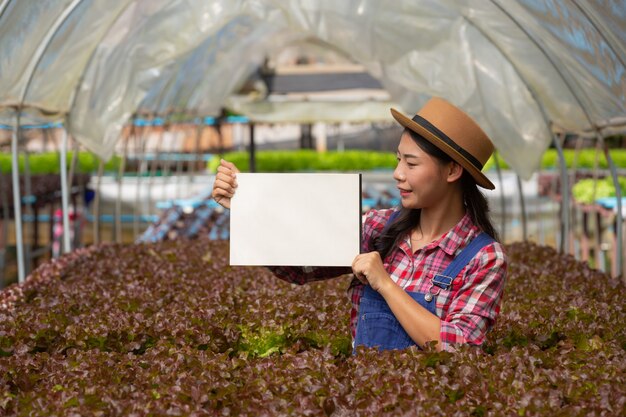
<point>295,219</point>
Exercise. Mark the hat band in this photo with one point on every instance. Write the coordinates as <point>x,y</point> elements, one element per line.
<point>432,129</point>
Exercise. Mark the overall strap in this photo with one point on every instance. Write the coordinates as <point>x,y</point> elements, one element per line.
<point>444,280</point>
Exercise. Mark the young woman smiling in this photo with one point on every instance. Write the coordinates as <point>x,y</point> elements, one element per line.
<point>431,269</point>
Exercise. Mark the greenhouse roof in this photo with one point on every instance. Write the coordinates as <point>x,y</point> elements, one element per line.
<point>522,68</point>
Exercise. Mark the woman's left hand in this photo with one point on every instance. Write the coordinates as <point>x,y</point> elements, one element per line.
<point>369,269</point>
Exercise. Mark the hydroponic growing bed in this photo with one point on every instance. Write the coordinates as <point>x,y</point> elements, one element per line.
<point>171,329</point>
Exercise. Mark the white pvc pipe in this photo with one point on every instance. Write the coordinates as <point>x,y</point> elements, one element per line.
<point>520,190</point>
<point>565,206</point>
<point>65,194</point>
<point>620,214</point>
<point>502,199</point>
<point>17,204</point>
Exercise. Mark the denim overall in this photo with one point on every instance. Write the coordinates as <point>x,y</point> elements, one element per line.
<point>378,327</point>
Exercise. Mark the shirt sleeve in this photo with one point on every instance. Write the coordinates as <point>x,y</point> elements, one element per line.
<point>303,274</point>
<point>473,311</point>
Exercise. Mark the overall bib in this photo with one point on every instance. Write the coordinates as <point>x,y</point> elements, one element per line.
<point>378,327</point>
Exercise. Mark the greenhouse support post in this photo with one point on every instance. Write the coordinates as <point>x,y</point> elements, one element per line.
<point>197,138</point>
<point>27,203</point>
<point>96,203</point>
<point>619,218</point>
<point>17,209</point>
<point>520,190</point>
<point>137,137</point>
<point>574,247</point>
<point>117,227</point>
<point>166,174</point>
<point>252,149</point>
<point>596,242</point>
<point>4,229</point>
<point>502,199</point>
<point>138,161</point>
<point>564,195</point>
<point>65,192</point>
<point>179,161</point>
<point>74,162</point>
<point>143,165</point>
<point>153,162</point>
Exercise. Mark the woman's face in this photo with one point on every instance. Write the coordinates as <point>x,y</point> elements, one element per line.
<point>421,178</point>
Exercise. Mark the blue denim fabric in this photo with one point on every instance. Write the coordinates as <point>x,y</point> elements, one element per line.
<point>378,327</point>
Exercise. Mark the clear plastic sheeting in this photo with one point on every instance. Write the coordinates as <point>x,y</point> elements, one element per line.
<point>310,112</point>
<point>521,68</point>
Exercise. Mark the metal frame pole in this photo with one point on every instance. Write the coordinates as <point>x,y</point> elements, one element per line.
<point>619,215</point>
<point>252,149</point>
<point>17,200</point>
<point>65,193</point>
<point>154,162</point>
<point>4,228</point>
<point>96,204</point>
<point>520,190</point>
<point>565,226</point>
<point>502,197</point>
<point>117,227</point>
<point>141,161</point>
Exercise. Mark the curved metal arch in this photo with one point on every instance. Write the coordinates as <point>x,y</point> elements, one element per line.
<point>598,28</point>
<point>564,186</point>
<point>43,47</point>
<point>79,83</point>
<point>564,183</point>
<point>171,80</point>
<point>533,39</point>
<point>160,98</point>
<point>32,66</point>
<point>3,7</point>
<point>82,75</point>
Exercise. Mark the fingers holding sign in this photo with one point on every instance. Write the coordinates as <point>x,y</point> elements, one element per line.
<point>225,183</point>
<point>369,269</point>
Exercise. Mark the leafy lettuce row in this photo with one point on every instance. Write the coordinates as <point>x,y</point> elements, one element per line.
<point>171,329</point>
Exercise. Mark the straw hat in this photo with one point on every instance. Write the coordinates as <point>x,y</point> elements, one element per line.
<point>455,133</point>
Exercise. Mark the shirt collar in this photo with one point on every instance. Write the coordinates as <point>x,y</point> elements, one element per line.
<point>451,241</point>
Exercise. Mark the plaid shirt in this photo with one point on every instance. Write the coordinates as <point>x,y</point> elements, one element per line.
<point>467,310</point>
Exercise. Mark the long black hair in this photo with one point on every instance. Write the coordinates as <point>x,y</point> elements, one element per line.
<point>475,203</point>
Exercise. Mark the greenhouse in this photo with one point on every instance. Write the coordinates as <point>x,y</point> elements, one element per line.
<point>116,292</point>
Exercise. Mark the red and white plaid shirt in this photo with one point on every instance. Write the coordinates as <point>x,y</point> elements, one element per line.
<point>467,310</point>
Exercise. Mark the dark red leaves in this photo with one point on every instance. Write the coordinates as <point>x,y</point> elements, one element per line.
<point>171,329</point>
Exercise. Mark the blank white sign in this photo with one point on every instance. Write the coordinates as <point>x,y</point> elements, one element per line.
<point>295,219</point>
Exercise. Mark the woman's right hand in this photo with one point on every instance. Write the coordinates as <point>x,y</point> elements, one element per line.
<point>225,183</point>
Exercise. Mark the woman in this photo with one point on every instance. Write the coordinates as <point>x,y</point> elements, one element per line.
<point>431,270</point>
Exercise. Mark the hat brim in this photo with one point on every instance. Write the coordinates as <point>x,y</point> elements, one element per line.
<point>411,124</point>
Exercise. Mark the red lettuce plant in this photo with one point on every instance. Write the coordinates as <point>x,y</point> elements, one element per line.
<point>171,329</point>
